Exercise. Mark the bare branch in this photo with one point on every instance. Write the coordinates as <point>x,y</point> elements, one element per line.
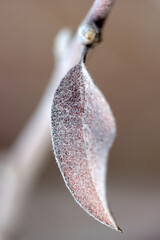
<point>99,12</point>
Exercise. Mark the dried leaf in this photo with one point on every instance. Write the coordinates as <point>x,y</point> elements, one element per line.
<point>83,130</point>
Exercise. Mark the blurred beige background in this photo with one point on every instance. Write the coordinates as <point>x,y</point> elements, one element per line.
<point>126,67</point>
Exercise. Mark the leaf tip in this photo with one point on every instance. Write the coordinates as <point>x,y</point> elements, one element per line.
<point>119,229</point>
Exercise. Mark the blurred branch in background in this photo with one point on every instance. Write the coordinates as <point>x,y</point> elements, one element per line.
<point>23,161</point>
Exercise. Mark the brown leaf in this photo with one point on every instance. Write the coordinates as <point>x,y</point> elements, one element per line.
<point>83,129</point>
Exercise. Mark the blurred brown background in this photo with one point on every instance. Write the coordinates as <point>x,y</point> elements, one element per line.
<point>126,67</point>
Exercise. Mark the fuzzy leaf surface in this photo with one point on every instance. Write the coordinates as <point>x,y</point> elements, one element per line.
<point>83,129</point>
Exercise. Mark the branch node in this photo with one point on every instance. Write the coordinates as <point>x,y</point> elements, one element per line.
<point>89,33</point>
